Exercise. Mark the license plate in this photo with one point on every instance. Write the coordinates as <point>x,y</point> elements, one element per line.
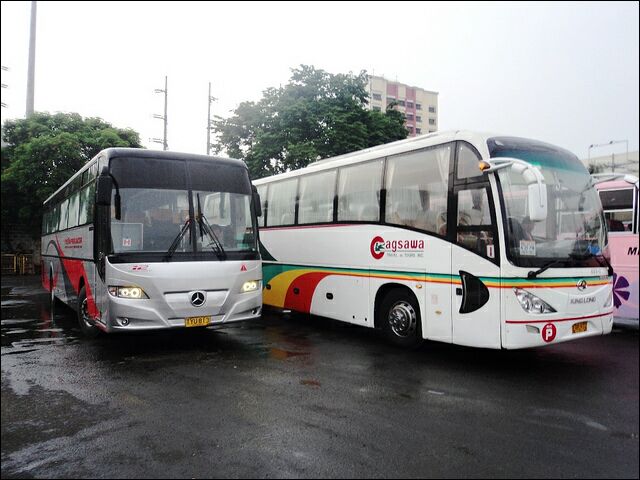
<point>579,327</point>
<point>197,321</point>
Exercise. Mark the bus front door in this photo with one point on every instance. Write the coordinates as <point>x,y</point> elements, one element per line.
<point>475,290</point>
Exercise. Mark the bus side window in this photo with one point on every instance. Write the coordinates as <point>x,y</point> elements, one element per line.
<point>467,163</point>
<point>359,192</point>
<point>282,202</point>
<point>316,197</point>
<point>417,186</point>
<point>475,230</point>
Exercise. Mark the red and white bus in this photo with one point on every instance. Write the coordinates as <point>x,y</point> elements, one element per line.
<point>140,239</point>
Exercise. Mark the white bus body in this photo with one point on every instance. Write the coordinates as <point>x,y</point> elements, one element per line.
<point>413,238</point>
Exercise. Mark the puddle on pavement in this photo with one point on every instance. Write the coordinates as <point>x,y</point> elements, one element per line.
<point>29,323</point>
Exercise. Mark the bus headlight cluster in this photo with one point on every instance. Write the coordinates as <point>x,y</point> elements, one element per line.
<point>127,292</point>
<point>532,304</point>
<point>250,286</point>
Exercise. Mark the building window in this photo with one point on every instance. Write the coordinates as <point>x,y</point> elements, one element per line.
<point>377,96</point>
<point>418,106</point>
<point>418,118</point>
<point>409,104</point>
<point>432,109</point>
<point>401,103</point>
<point>418,131</point>
<point>410,116</point>
<point>432,121</point>
<point>432,131</point>
<point>391,101</point>
<point>377,109</point>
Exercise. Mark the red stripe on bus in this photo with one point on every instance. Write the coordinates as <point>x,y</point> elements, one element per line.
<point>560,319</point>
<point>298,227</point>
<point>75,271</point>
<point>305,285</point>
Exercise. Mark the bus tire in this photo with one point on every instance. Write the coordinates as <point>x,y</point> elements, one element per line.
<point>86,326</point>
<point>400,319</point>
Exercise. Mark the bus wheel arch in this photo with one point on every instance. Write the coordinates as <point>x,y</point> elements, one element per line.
<point>397,314</point>
<point>86,325</point>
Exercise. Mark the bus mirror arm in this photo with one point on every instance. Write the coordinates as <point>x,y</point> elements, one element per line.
<point>105,185</point>
<point>537,189</point>
<point>257,203</point>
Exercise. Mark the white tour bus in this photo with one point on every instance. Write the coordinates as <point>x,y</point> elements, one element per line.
<point>456,237</point>
<point>141,239</point>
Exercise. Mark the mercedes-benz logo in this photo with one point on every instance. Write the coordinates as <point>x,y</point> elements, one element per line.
<point>198,299</point>
<point>582,285</point>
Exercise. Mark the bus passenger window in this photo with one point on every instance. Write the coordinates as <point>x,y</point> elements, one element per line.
<point>417,185</point>
<point>359,192</point>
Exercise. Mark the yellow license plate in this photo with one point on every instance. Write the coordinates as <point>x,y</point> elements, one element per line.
<point>197,321</point>
<point>579,327</point>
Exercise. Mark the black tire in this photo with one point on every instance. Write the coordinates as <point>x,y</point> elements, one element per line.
<point>399,317</point>
<point>86,326</point>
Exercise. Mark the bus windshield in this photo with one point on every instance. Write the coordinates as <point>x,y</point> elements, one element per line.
<point>157,197</point>
<point>574,231</point>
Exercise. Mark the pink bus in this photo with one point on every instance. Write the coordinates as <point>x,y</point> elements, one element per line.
<point>619,197</point>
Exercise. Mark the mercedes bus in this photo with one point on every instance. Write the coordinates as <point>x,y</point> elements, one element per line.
<point>140,239</point>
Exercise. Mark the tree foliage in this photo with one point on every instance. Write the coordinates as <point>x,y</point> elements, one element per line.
<point>316,115</point>
<point>42,152</point>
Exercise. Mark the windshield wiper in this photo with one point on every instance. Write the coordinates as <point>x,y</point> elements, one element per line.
<point>206,227</point>
<point>598,257</point>
<point>531,275</point>
<point>176,241</point>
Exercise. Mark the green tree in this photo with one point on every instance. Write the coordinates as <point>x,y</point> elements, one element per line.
<point>316,115</point>
<point>42,152</point>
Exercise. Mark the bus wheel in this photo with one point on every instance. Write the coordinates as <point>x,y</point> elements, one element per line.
<point>400,319</point>
<point>87,327</point>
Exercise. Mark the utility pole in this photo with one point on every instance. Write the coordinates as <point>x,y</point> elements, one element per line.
<point>31,72</point>
<point>209,102</point>
<point>165,145</point>
<point>4,85</point>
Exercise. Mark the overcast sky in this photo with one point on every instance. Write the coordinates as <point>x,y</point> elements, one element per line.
<point>562,73</point>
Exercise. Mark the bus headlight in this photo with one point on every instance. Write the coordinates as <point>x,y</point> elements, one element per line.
<point>250,286</point>
<point>127,292</point>
<point>532,304</point>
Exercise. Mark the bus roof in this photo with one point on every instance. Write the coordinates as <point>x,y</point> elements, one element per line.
<point>110,153</point>
<point>479,140</point>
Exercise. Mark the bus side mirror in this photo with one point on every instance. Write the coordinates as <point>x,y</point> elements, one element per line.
<point>537,202</point>
<point>537,190</point>
<point>257,203</point>
<point>103,190</point>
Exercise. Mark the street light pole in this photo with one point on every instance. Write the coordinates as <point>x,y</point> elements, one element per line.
<point>613,161</point>
<point>210,99</point>
<point>31,70</point>
<point>165,145</point>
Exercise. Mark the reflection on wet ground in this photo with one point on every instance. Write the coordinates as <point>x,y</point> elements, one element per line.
<point>299,396</point>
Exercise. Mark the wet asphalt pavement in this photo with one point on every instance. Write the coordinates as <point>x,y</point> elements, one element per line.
<point>293,396</point>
